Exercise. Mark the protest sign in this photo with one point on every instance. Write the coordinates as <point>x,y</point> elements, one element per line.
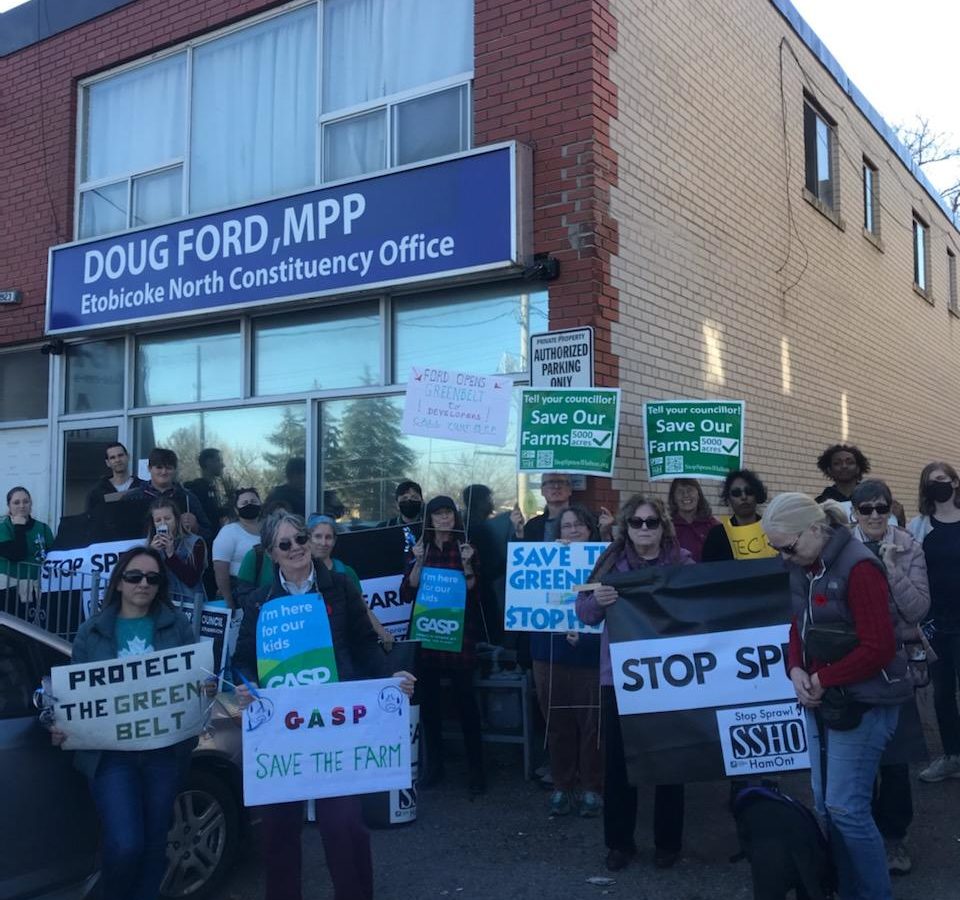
<point>540,582</point>
<point>693,438</point>
<point>688,643</point>
<point>439,609</point>
<point>220,626</point>
<point>71,568</point>
<point>457,406</point>
<point>573,431</point>
<point>328,740</point>
<point>562,358</point>
<point>135,703</point>
<point>294,644</point>
<point>378,556</point>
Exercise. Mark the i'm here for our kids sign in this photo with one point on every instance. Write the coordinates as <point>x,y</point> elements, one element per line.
<point>294,644</point>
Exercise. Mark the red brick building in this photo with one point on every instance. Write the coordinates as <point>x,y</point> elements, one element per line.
<point>712,240</point>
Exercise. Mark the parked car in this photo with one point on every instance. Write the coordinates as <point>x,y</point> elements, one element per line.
<point>48,826</point>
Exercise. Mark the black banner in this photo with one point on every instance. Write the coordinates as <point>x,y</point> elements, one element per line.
<point>687,641</point>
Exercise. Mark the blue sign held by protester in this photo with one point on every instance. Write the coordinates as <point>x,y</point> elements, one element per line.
<point>439,610</point>
<point>294,643</point>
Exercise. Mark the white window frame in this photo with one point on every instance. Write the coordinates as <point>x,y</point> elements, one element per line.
<point>388,103</point>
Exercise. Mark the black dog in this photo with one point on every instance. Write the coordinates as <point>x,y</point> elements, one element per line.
<point>783,842</point>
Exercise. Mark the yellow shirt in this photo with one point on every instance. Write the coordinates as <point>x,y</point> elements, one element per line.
<point>747,541</point>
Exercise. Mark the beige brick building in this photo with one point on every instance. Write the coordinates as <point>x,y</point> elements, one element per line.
<point>734,282</point>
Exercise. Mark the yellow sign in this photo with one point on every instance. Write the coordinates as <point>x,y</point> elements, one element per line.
<point>747,541</point>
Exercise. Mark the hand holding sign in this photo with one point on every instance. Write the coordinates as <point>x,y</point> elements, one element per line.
<point>606,595</point>
<point>466,554</point>
<point>516,519</point>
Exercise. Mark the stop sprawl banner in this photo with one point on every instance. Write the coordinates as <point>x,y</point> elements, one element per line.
<point>698,656</point>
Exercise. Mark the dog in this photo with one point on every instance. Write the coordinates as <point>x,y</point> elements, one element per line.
<point>784,845</point>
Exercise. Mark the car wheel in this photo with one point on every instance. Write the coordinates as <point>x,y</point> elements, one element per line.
<point>203,838</point>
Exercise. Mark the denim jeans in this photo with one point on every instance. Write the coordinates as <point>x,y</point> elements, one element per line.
<point>134,793</point>
<point>852,761</point>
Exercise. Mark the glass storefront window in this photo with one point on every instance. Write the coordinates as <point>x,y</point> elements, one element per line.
<point>484,330</point>
<point>320,350</point>
<point>24,379</point>
<point>364,454</point>
<point>189,366</point>
<point>256,443</point>
<point>94,376</point>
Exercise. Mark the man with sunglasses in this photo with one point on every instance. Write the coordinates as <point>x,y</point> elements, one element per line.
<point>739,535</point>
<point>346,842</point>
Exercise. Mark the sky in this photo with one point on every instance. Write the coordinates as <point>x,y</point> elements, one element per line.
<point>902,56</point>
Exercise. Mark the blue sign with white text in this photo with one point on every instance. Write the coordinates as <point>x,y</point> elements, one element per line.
<point>455,216</point>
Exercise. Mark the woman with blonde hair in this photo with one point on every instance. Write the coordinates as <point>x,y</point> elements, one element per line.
<point>847,673</point>
<point>646,538</point>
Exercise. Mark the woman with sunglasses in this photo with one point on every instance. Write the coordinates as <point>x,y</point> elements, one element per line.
<point>443,545</point>
<point>184,554</point>
<point>938,528</point>
<point>646,538</point>
<point>739,536</point>
<point>134,791</point>
<point>323,539</point>
<point>847,672</point>
<point>903,559</point>
<point>346,841</point>
<point>691,515</point>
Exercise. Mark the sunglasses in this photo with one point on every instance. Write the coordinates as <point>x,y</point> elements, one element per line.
<point>742,492</point>
<point>651,522</point>
<point>135,576</point>
<point>866,509</point>
<point>556,484</point>
<point>790,549</point>
<point>286,544</point>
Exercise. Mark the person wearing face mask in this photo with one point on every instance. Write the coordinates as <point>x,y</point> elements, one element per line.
<point>409,496</point>
<point>906,569</point>
<point>691,514</point>
<point>739,536</point>
<point>938,527</point>
<point>234,540</point>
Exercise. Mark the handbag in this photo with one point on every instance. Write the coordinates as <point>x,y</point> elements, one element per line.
<point>840,711</point>
<point>830,643</point>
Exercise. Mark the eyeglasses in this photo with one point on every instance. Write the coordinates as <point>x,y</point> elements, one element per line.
<point>790,549</point>
<point>867,509</point>
<point>742,492</point>
<point>651,522</point>
<point>286,544</point>
<point>135,576</point>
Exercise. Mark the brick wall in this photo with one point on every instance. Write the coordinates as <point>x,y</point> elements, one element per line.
<point>731,285</point>
<point>542,77</point>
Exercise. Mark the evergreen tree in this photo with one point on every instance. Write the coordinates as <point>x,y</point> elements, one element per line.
<point>290,439</point>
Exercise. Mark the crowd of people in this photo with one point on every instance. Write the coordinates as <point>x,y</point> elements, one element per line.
<point>874,617</point>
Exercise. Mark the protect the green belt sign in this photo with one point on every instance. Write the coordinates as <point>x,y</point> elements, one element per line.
<point>568,430</point>
<point>693,438</point>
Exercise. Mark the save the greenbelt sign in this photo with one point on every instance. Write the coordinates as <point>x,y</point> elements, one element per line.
<point>693,438</point>
<point>568,430</point>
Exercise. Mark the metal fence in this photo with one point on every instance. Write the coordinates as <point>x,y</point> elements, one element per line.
<point>55,601</point>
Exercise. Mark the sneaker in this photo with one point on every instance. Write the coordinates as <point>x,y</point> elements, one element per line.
<point>941,769</point>
<point>898,860</point>
<point>560,804</point>
<point>590,804</point>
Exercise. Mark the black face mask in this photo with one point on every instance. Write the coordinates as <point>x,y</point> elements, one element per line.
<point>939,491</point>
<point>251,511</point>
<point>410,509</point>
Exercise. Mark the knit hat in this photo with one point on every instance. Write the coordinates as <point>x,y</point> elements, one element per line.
<point>791,513</point>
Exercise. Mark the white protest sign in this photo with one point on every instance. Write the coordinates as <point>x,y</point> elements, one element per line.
<point>65,570</point>
<point>757,739</point>
<point>135,703</point>
<point>722,668</point>
<point>328,740</point>
<point>540,580</point>
<point>457,406</point>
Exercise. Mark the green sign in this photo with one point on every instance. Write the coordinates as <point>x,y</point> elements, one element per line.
<point>568,430</point>
<point>693,438</point>
<point>294,643</point>
<point>439,609</point>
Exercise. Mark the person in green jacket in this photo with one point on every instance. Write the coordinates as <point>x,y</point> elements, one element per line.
<point>23,540</point>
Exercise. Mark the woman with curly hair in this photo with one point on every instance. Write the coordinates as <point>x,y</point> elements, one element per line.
<point>646,538</point>
<point>739,536</point>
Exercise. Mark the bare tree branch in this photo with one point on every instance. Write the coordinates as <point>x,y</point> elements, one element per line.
<point>926,146</point>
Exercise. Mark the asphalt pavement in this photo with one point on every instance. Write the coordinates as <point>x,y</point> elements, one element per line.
<point>505,846</point>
